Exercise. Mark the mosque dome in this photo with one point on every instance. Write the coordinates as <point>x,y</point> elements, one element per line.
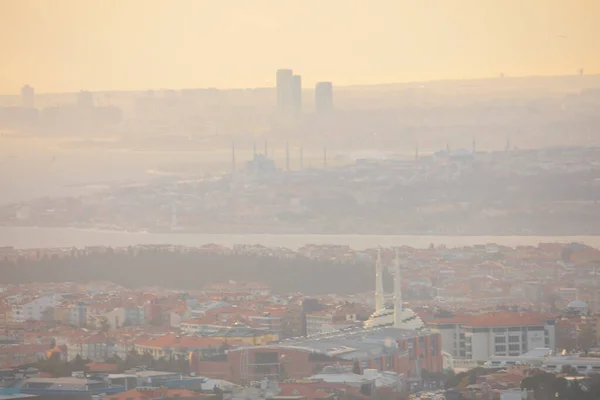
<point>577,304</point>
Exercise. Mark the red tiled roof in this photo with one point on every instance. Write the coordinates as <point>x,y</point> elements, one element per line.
<point>152,394</point>
<point>457,319</point>
<point>179,342</point>
<point>508,319</point>
<point>495,319</point>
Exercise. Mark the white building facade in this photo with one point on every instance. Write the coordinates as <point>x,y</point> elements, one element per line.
<point>496,334</point>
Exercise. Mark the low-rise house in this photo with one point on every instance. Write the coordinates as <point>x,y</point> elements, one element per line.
<point>173,346</point>
<point>95,347</point>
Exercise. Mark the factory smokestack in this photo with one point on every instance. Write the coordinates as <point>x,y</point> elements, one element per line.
<point>232,157</point>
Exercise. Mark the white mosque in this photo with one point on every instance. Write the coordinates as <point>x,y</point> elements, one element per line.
<point>394,314</point>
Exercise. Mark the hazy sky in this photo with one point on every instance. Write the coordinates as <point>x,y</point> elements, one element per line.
<point>68,45</point>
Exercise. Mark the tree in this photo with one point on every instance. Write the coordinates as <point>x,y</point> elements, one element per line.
<point>356,367</point>
<point>569,370</point>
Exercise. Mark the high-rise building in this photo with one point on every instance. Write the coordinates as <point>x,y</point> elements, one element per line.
<point>284,90</point>
<point>324,97</point>
<point>296,93</point>
<point>27,96</point>
<point>85,99</point>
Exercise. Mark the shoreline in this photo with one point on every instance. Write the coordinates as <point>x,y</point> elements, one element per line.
<point>290,232</point>
<point>40,237</point>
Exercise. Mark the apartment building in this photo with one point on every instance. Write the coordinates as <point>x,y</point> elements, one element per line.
<point>480,337</point>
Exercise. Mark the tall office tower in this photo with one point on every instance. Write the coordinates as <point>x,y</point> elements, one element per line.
<point>297,93</point>
<point>27,96</point>
<point>284,90</point>
<point>324,97</point>
<point>85,99</point>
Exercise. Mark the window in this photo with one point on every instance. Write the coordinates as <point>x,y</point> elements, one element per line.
<point>500,339</point>
<point>499,330</point>
<point>514,339</point>
<point>514,347</point>
<point>517,329</point>
<point>501,348</point>
<point>535,328</point>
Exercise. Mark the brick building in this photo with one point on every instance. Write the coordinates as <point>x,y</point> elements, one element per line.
<point>384,349</point>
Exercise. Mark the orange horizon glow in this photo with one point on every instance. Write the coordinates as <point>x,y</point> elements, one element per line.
<point>68,45</point>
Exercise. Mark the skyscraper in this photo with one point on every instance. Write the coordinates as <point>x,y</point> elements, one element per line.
<point>296,93</point>
<point>27,96</point>
<point>324,97</point>
<point>85,99</point>
<point>284,90</point>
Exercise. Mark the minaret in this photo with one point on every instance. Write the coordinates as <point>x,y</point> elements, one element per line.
<point>379,295</point>
<point>417,153</point>
<point>173,215</point>
<point>232,158</point>
<point>287,156</point>
<point>397,295</point>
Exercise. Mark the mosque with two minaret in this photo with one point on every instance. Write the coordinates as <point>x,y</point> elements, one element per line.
<point>392,314</point>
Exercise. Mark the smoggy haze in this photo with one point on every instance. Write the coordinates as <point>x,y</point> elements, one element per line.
<point>69,45</point>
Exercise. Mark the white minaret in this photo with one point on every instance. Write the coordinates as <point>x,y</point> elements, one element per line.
<point>397,295</point>
<point>379,295</point>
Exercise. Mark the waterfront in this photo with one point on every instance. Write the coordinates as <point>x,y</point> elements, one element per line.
<point>26,237</point>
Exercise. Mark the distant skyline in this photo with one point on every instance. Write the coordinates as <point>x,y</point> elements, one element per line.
<point>68,45</point>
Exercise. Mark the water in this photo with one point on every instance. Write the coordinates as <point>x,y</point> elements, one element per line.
<point>27,237</point>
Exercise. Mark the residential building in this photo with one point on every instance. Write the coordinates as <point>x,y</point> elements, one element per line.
<point>20,354</point>
<point>340,317</point>
<point>284,90</point>
<point>68,388</point>
<point>27,96</point>
<point>172,345</point>
<point>94,347</point>
<point>296,93</point>
<point>78,315</point>
<point>33,309</point>
<point>245,335</point>
<point>479,337</point>
<point>157,393</point>
<point>324,97</point>
<point>452,334</point>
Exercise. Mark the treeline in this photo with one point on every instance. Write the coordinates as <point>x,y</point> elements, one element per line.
<point>193,270</point>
